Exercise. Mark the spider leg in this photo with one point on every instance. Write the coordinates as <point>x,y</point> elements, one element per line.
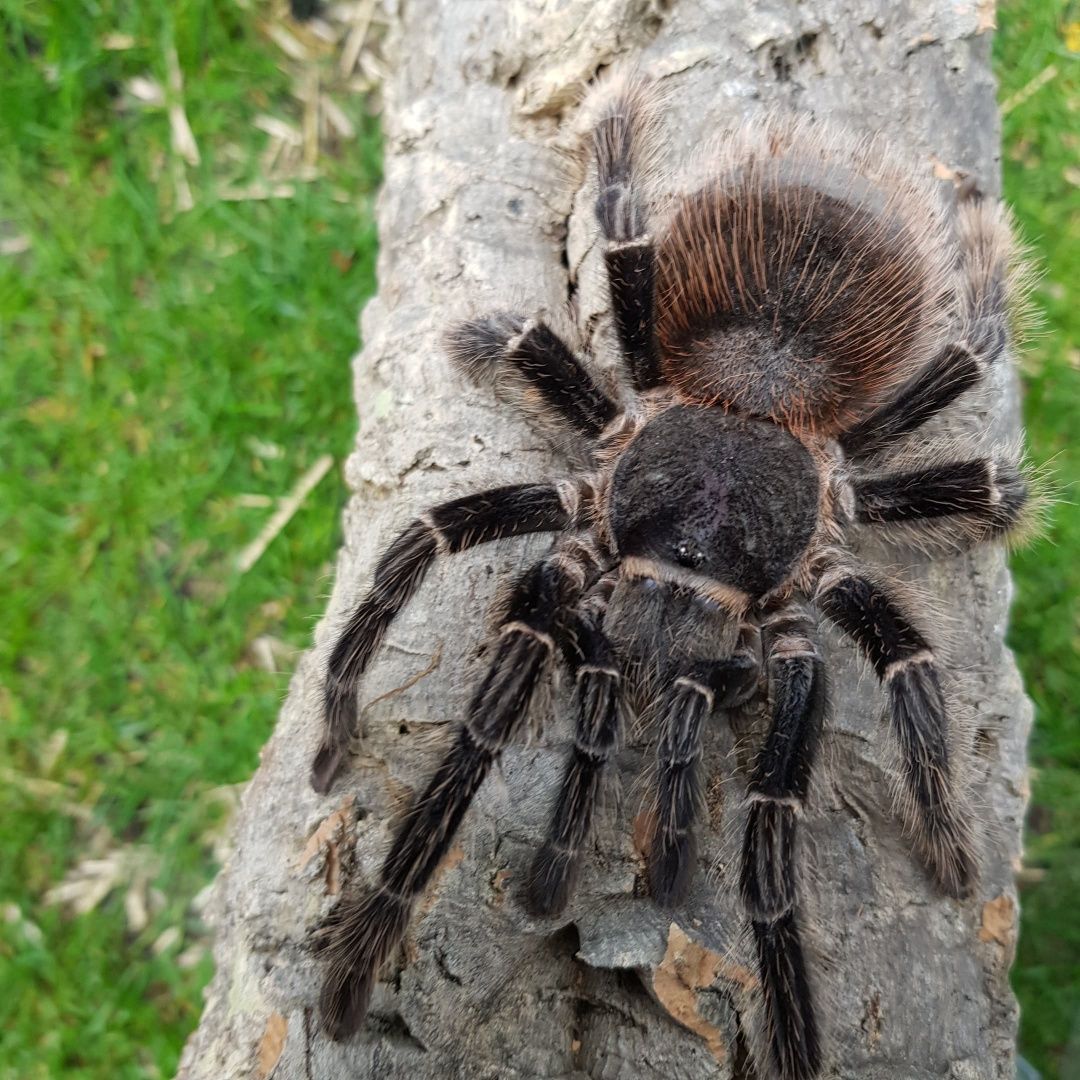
<point>967,502</point>
<point>905,664</point>
<point>364,930</point>
<point>687,702</point>
<point>600,707</point>
<point>777,793</point>
<point>621,135</point>
<point>985,248</point>
<point>538,361</point>
<point>447,528</point>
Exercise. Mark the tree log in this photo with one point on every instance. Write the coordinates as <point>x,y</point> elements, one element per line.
<point>476,213</point>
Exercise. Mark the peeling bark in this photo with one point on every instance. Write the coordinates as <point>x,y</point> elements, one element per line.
<point>476,213</point>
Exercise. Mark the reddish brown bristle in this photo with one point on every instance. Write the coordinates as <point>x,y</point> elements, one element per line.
<point>798,288</point>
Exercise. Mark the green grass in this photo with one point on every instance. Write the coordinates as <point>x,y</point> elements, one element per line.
<point>159,367</point>
<point>1042,180</point>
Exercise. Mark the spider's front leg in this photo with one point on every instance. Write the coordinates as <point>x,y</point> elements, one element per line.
<point>445,529</point>
<point>777,794</point>
<point>600,706</point>
<point>363,930</point>
<point>905,663</point>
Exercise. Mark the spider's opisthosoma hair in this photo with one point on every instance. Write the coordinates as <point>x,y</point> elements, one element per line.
<point>805,280</point>
<point>989,289</point>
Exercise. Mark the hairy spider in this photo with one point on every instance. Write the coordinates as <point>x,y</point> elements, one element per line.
<point>784,325</point>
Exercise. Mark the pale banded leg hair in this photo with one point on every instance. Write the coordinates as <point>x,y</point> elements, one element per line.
<point>364,929</point>
<point>904,661</point>
<point>956,505</point>
<point>770,855</point>
<point>985,287</point>
<point>528,357</point>
<point>623,121</point>
<point>599,698</point>
<point>448,528</point>
<point>697,691</point>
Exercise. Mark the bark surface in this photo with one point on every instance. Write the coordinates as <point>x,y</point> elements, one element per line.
<point>476,213</point>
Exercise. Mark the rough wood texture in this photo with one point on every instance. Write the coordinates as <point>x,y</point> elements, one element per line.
<point>476,212</point>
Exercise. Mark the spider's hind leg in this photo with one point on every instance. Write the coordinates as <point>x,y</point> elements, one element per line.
<point>986,283</point>
<point>540,367</point>
<point>777,793</point>
<point>623,115</point>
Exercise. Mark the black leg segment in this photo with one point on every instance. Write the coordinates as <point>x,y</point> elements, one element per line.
<point>768,881</point>
<point>448,528</point>
<point>685,706</point>
<point>905,663</point>
<point>364,930</point>
<point>620,134</point>
<point>600,706</point>
<point>966,502</point>
<point>954,370</point>
<point>984,250</point>
<point>538,363</point>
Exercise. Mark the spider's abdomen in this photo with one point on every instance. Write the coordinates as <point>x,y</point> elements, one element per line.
<point>803,282</point>
<point>727,498</point>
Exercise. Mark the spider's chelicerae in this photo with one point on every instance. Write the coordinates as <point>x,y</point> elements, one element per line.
<point>783,326</point>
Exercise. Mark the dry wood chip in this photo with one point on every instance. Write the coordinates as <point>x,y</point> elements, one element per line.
<point>686,968</point>
<point>271,1044</point>
<point>998,919</point>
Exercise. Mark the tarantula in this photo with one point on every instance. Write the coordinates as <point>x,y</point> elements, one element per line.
<point>783,325</point>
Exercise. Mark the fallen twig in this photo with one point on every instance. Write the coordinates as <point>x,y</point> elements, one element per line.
<point>288,506</point>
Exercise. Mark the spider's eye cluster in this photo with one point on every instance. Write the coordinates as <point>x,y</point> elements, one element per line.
<point>731,499</point>
<point>689,555</point>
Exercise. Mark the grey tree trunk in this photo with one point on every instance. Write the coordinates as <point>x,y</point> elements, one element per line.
<point>475,213</point>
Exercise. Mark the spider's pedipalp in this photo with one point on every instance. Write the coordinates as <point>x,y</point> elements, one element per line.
<point>543,372</point>
<point>697,691</point>
<point>599,699</point>
<point>904,662</point>
<point>364,931</point>
<point>964,502</point>
<point>450,527</point>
